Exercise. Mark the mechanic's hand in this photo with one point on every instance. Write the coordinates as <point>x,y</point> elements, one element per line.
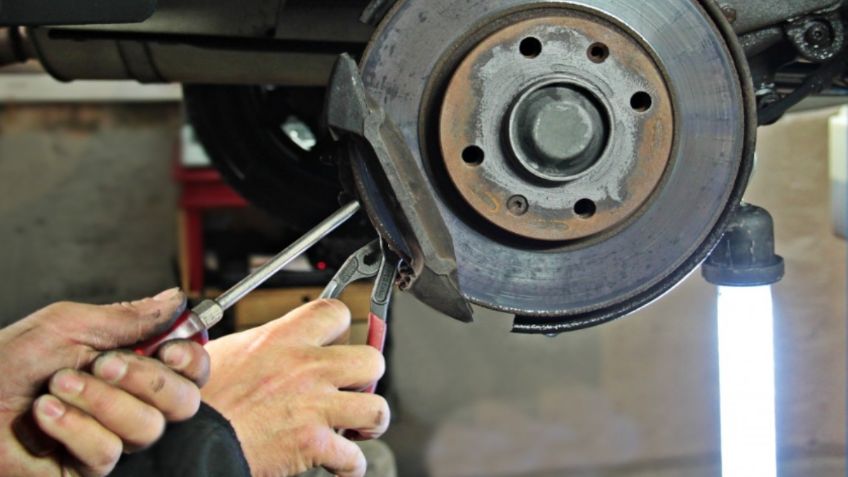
<point>286,392</point>
<point>100,404</point>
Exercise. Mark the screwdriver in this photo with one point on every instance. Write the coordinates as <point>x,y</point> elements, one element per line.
<point>194,324</point>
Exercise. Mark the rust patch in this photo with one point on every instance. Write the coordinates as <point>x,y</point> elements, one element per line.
<point>647,142</point>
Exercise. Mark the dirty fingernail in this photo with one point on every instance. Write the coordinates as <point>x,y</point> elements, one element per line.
<point>167,295</point>
<point>50,407</point>
<point>69,383</point>
<point>176,357</point>
<point>112,368</point>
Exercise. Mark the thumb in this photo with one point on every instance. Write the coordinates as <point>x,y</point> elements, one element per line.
<point>120,325</point>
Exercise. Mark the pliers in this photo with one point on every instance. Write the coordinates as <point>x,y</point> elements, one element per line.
<point>372,260</point>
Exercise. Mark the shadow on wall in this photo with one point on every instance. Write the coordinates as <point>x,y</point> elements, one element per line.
<point>88,207</point>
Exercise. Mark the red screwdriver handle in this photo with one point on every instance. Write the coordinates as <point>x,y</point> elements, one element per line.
<point>185,327</point>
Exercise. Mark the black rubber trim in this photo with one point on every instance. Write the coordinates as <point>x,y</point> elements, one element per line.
<point>74,12</point>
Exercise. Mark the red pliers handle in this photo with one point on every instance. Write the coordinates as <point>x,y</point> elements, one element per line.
<point>381,296</point>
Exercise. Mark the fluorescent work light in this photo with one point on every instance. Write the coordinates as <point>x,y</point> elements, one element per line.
<point>744,266</point>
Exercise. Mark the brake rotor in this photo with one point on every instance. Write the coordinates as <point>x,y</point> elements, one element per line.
<point>585,154</point>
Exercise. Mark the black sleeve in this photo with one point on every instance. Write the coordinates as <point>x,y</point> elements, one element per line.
<point>204,446</point>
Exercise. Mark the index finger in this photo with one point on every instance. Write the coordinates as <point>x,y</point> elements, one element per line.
<point>318,323</point>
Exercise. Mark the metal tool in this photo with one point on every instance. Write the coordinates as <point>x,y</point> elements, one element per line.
<point>194,323</point>
<point>381,296</point>
<point>364,263</point>
<point>372,260</point>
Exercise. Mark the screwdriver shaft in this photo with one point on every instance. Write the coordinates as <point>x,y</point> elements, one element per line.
<point>266,271</point>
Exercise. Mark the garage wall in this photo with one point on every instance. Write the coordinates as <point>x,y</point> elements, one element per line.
<point>811,302</point>
<point>87,205</point>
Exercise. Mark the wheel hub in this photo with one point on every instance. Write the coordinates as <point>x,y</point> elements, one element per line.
<point>557,132</point>
<point>560,89</point>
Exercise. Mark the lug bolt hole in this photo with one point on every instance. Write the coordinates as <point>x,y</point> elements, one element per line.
<point>585,208</point>
<point>641,102</point>
<point>473,155</point>
<point>530,47</point>
<point>598,52</point>
<point>517,205</point>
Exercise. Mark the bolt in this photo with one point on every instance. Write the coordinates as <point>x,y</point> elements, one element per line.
<point>729,13</point>
<point>517,205</point>
<point>406,275</point>
<point>819,35</point>
<point>766,97</point>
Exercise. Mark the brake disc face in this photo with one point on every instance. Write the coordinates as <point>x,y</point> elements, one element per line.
<point>584,153</point>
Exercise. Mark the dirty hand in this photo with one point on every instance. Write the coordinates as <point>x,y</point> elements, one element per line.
<point>101,403</point>
<point>286,391</point>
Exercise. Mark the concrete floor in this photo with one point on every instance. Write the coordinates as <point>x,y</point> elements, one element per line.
<point>88,215</point>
